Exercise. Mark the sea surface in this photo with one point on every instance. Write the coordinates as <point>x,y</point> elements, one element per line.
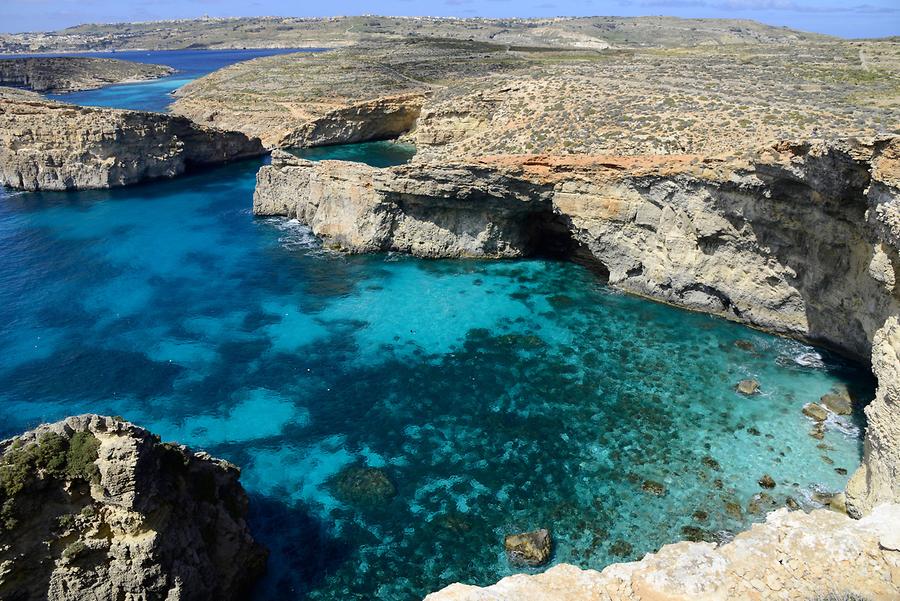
<point>396,417</point>
<point>156,95</point>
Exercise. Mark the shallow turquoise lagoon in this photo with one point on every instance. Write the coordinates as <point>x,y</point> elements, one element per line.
<point>156,95</point>
<point>495,396</point>
<point>382,153</point>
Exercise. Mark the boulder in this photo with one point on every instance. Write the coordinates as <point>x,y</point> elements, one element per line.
<point>838,401</point>
<point>748,387</point>
<point>767,481</point>
<point>529,548</point>
<point>815,411</point>
<point>364,486</point>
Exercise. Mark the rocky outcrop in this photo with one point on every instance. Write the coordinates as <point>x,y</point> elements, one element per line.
<point>792,556</point>
<point>70,73</point>
<point>47,145</point>
<point>97,508</point>
<point>433,211</point>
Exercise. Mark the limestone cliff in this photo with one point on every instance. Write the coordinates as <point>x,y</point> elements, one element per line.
<point>46,145</point>
<point>758,240</point>
<point>792,556</point>
<point>97,508</point>
<point>799,238</point>
<point>71,73</point>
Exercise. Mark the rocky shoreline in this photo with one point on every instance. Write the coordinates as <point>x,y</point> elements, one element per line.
<point>47,145</point>
<point>793,556</point>
<point>70,73</point>
<point>96,507</point>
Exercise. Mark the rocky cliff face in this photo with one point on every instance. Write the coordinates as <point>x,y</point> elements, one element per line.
<point>95,507</point>
<point>436,211</point>
<point>70,73</point>
<point>793,556</point>
<point>47,145</point>
<point>798,238</point>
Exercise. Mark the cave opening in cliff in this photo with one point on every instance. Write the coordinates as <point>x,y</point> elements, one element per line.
<point>551,238</point>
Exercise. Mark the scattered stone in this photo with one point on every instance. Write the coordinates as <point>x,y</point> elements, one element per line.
<point>695,534</point>
<point>711,463</point>
<point>841,471</point>
<point>818,431</point>
<point>760,503</point>
<point>700,515</point>
<point>753,431</point>
<point>734,510</point>
<point>792,503</point>
<point>654,488</point>
<point>748,387</point>
<point>827,459</point>
<point>718,484</point>
<point>838,401</point>
<point>766,481</point>
<point>529,548</point>
<point>364,486</point>
<point>815,411</point>
<point>621,548</point>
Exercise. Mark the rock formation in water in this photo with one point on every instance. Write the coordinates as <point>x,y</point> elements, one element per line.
<point>46,145</point>
<point>97,508</point>
<point>792,556</point>
<point>70,73</point>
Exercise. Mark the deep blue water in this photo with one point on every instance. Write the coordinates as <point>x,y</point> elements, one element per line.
<point>496,396</point>
<point>155,95</point>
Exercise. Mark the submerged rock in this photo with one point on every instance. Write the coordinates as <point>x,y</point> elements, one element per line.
<point>654,488</point>
<point>98,508</point>
<point>767,481</point>
<point>748,387</point>
<point>744,345</point>
<point>529,548</point>
<point>364,486</point>
<point>761,503</point>
<point>621,548</point>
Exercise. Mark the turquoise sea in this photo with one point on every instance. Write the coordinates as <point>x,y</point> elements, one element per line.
<point>492,396</point>
<point>155,95</point>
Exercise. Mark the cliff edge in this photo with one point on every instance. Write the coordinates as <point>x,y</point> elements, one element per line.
<point>96,507</point>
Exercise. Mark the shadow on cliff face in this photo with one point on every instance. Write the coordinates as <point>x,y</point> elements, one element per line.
<point>816,225</point>
<point>302,550</point>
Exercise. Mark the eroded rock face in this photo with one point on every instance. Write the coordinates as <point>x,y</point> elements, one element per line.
<point>800,238</point>
<point>793,555</point>
<point>96,507</point>
<point>71,73</point>
<point>47,145</point>
<point>435,211</point>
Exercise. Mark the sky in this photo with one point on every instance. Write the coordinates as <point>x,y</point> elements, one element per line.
<point>846,18</point>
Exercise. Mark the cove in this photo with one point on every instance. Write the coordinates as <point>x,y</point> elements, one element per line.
<point>495,396</point>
